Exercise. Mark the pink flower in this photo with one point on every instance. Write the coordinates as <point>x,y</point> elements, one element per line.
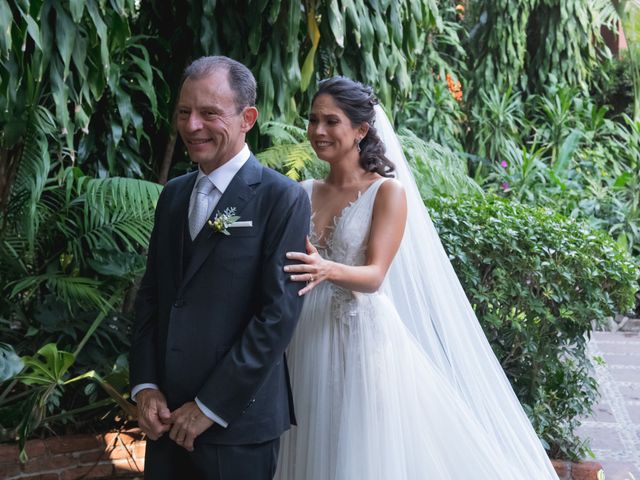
<point>505,186</point>
<point>504,164</point>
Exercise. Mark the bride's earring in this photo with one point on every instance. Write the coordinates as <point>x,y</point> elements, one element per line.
<point>357,142</point>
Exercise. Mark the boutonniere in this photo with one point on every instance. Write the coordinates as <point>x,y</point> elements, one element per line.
<point>223,220</point>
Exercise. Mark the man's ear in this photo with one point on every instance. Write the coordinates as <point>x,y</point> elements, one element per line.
<point>249,117</point>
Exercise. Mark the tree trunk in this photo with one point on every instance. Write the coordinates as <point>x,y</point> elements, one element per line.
<point>163,175</point>
<point>8,168</point>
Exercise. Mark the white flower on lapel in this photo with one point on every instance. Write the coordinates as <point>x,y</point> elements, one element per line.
<point>222,221</point>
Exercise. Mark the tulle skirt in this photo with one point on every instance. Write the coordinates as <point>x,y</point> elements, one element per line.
<point>370,405</point>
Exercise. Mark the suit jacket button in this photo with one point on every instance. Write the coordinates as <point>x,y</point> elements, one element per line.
<point>179,303</point>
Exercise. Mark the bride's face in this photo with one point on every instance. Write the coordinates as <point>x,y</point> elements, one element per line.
<point>330,131</point>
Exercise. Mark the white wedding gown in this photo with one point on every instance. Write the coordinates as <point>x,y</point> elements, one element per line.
<point>369,402</point>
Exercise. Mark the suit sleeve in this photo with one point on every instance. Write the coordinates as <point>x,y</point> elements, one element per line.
<point>230,388</point>
<point>143,358</point>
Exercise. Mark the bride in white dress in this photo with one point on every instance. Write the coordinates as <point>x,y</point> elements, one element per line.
<point>392,376</point>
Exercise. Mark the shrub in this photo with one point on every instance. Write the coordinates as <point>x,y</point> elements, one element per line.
<point>612,84</point>
<point>537,281</point>
<point>70,253</point>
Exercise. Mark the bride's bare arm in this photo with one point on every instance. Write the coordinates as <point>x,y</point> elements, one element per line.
<point>387,227</point>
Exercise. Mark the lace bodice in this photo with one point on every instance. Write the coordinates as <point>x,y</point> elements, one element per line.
<point>347,241</point>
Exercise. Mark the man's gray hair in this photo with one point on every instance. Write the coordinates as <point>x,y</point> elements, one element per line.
<point>241,80</point>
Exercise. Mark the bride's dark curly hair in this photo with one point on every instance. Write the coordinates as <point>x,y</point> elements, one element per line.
<point>357,101</point>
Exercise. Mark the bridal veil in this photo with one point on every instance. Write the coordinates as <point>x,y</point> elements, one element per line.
<point>431,302</point>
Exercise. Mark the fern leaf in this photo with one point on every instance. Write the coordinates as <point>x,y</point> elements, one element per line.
<point>32,175</point>
<point>283,133</point>
<point>288,158</point>
<point>75,291</point>
<point>113,213</point>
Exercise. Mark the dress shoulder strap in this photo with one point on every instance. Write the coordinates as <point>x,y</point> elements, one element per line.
<point>372,190</point>
<point>307,185</point>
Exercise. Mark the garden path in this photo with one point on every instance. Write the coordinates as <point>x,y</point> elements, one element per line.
<point>614,427</point>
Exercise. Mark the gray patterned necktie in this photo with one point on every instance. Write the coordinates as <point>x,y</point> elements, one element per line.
<point>200,208</point>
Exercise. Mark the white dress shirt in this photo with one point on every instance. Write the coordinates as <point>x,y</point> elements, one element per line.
<point>221,178</point>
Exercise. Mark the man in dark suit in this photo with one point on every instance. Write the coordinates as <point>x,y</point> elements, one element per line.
<point>215,310</point>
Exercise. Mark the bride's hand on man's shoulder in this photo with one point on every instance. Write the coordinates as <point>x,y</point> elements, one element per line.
<point>313,269</point>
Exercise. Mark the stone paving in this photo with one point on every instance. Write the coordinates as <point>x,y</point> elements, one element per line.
<point>614,427</point>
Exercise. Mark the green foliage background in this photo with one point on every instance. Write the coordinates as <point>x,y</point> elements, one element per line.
<point>535,279</point>
<point>490,98</point>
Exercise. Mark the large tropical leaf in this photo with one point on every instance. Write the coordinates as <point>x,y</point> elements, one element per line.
<point>10,362</point>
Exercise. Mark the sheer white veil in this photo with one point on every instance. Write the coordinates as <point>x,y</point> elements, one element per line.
<point>431,302</point>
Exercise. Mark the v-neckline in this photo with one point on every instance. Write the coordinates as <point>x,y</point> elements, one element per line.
<point>327,238</point>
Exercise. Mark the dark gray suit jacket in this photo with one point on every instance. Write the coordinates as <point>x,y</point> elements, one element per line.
<point>217,327</point>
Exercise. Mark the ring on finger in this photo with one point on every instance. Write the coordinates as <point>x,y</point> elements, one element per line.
<point>311,279</point>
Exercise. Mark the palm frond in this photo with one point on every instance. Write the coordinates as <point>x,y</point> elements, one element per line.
<point>113,213</point>
<point>137,196</point>
<point>32,175</point>
<point>283,133</point>
<point>12,259</point>
<point>606,12</point>
<point>72,290</point>
<point>291,159</point>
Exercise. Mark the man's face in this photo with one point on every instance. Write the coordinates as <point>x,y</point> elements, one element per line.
<point>209,122</point>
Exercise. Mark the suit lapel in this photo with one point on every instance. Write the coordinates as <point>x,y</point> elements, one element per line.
<point>237,194</point>
<point>179,214</point>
